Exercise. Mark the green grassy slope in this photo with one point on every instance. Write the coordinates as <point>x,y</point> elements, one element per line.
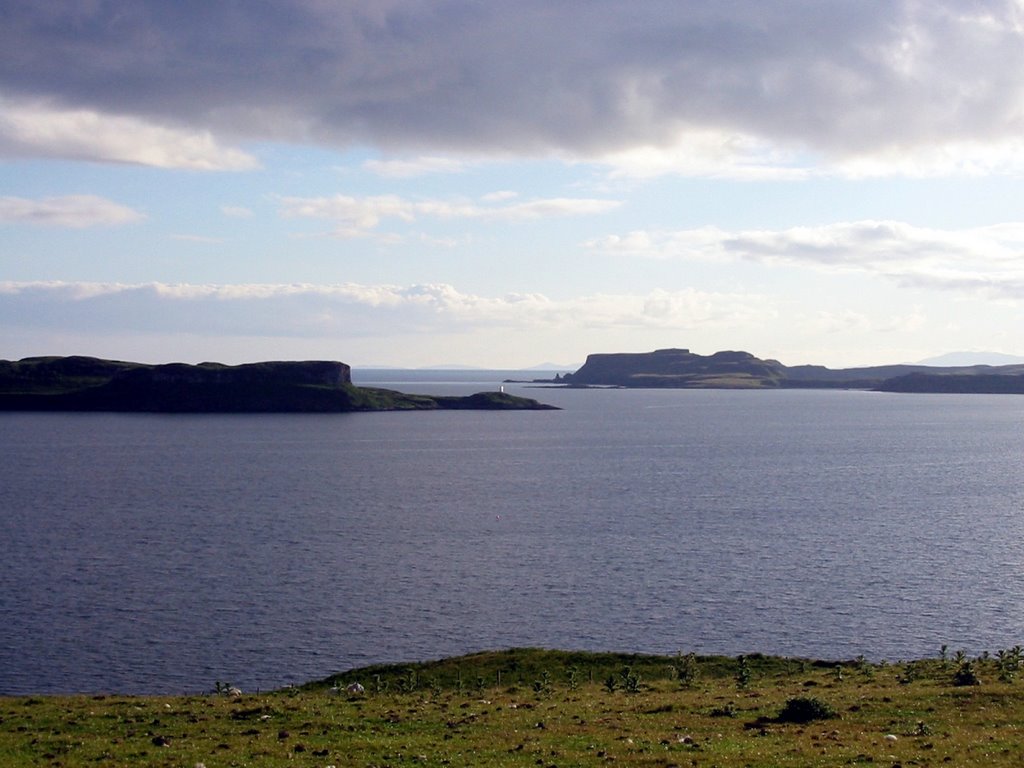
<point>551,708</point>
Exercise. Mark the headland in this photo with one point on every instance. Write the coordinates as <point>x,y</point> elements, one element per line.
<point>316,386</point>
<point>683,369</point>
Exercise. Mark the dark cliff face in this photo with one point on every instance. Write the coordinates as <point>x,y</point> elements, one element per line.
<point>216,388</point>
<point>316,373</point>
<point>618,368</point>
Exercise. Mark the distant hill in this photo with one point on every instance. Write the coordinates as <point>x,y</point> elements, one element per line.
<point>677,368</point>
<point>973,358</point>
<point>450,367</point>
<point>457,367</point>
<point>962,384</point>
<point>680,368</point>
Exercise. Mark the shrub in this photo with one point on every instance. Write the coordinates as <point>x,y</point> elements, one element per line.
<point>574,677</point>
<point>543,685</point>
<point>965,675</point>
<point>408,682</point>
<point>805,709</point>
<point>685,669</point>
<point>630,680</point>
<point>742,673</point>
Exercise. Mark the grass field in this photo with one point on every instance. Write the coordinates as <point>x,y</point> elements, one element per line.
<point>528,707</point>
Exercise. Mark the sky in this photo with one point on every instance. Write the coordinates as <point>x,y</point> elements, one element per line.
<point>506,184</point>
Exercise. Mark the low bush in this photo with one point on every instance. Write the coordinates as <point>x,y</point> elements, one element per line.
<point>803,709</point>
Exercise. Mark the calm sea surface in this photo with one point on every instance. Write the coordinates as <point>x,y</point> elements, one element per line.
<point>145,553</point>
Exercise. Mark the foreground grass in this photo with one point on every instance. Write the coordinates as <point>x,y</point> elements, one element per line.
<point>547,708</point>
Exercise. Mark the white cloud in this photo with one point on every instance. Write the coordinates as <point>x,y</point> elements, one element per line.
<point>713,154</point>
<point>549,208</point>
<point>849,321</point>
<point>500,196</point>
<point>953,158</point>
<point>357,216</point>
<point>236,211</point>
<point>75,211</point>
<point>86,134</point>
<point>346,310</point>
<point>420,166</point>
<point>203,239</point>
<point>983,260</point>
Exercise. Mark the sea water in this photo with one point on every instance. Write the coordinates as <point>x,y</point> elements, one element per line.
<point>161,553</point>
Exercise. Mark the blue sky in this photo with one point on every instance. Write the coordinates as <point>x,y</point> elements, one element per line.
<point>504,184</point>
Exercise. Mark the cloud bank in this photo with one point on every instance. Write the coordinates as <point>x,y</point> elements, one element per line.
<point>765,85</point>
<point>33,129</point>
<point>349,310</point>
<point>75,211</point>
<point>356,216</point>
<point>983,261</point>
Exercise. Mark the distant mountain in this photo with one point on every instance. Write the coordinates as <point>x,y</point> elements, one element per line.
<point>458,367</point>
<point>553,367</point>
<point>680,369</point>
<point>450,367</point>
<point>973,358</point>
